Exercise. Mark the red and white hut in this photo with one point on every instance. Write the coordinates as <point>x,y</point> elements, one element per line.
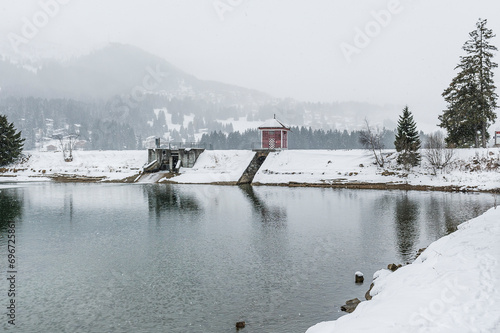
<point>274,135</point>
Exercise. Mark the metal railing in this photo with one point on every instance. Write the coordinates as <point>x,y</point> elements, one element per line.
<point>182,145</point>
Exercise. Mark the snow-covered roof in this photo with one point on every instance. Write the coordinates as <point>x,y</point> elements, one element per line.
<point>273,123</point>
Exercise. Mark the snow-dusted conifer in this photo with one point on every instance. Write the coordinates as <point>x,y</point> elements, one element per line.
<point>407,140</point>
<point>471,95</point>
<point>11,143</point>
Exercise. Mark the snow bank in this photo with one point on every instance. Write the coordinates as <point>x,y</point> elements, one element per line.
<point>214,166</point>
<point>112,165</point>
<point>452,287</point>
<point>472,168</point>
<point>316,167</point>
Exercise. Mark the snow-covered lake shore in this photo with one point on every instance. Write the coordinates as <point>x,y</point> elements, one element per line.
<point>472,169</point>
<point>351,167</point>
<point>451,287</point>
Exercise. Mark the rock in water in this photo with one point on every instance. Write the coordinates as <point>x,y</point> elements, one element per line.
<point>350,305</point>
<point>358,277</point>
<point>240,325</point>
<point>392,267</point>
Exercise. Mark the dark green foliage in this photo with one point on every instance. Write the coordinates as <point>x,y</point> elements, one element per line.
<point>298,138</point>
<point>11,206</point>
<point>112,135</point>
<point>11,143</point>
<point>407,141</point>
<point>471,96</point>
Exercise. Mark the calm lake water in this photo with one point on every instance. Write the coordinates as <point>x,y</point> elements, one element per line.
<point>194,258</point>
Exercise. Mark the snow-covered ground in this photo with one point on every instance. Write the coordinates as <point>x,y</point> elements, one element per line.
<point>473,169</point>
<point>454,286</point>
<point>216,166</point>
<point>112,165</point>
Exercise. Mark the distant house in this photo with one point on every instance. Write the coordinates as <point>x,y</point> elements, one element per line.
<point>274,135</point>
<point>81,145</point>
<point>51,148</point>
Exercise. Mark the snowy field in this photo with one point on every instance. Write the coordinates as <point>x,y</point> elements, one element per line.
<point>452,287</point>
<point>472,169</point>
<point>111,165</point>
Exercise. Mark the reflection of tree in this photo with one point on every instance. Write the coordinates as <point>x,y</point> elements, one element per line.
<point>10,207</point>
<point>435,205</point>
<point>450,220</point>
<point>270,216</point>
<point>407,229</point>
<point>162,198</point>
<point>445,211</point>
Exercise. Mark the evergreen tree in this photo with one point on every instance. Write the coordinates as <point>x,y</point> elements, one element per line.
<point>471,95</point>
<point>407,141</point>
<point>11,143</point>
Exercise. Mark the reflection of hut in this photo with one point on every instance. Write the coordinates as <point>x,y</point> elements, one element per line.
<point>274,135</point>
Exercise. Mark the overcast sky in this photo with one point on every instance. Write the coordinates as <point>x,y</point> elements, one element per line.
<point>384,52</point>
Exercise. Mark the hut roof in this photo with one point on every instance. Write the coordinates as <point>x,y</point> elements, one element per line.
<point>273,123</point>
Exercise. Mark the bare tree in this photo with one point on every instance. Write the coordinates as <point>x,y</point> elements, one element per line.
<point>372,139</point>
<point>436,153</point>
<point>67,144</point>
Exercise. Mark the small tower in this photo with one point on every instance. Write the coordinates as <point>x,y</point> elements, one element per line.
<point>274,135</point>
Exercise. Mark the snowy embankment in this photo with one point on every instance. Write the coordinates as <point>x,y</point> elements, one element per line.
<point>216,166</point>
<point>471,169</point>
<point>453,286</point>
<point>102,165</point>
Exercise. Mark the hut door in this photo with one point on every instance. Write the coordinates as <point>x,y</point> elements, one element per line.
<point>272,143</point>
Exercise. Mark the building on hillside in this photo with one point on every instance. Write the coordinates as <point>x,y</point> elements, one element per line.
<point>51,148</point>
<point>274,135</point>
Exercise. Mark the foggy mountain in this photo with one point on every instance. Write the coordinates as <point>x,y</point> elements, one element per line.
<point>120,95</point>
<point>116,70</point>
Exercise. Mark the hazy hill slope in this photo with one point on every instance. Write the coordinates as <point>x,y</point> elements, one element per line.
<point>116,70</point>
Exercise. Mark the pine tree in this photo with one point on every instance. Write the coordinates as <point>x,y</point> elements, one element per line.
<point>471,96</point>
<point>11,143</point>
<point>407,141</point>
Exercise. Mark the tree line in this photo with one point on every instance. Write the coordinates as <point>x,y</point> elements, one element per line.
<point>298,138</point>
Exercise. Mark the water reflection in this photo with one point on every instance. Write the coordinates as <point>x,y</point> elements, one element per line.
<point>272,216</point>
<point>194,258</point>
<point>407,227</point>
<point>11,206</point>
<point>165,198</point>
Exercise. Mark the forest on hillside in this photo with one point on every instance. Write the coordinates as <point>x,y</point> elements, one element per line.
<point>116,124</point>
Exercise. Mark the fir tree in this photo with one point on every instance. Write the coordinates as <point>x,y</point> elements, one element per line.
<point>471,96</point>
<point>11,143</point>
<point>407,141</point>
